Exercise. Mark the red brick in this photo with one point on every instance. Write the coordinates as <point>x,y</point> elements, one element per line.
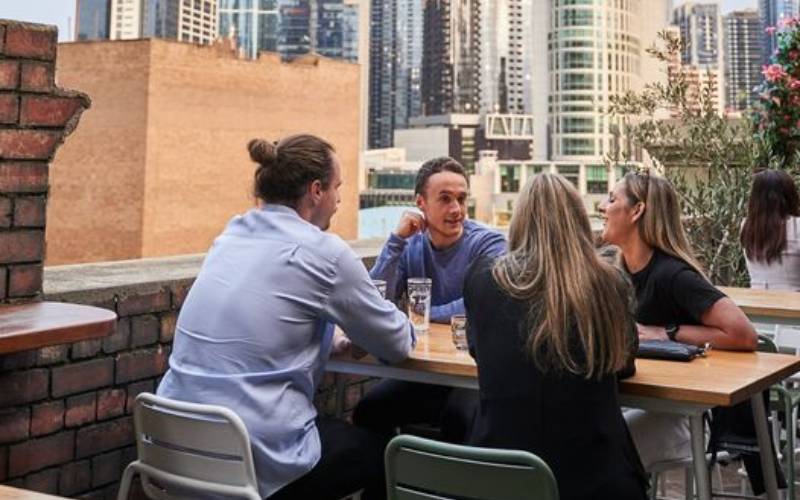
<point>121,337</point>
<point>31,41</point>
<point>144,330</point>
<point>23,387</point>
<point>3,463</point>
<point>80,410</point>
<point>106,468</point>
<point>86,348</point>
<point>79,377</point>
<point>136,389</point>
<point>52,355</point>
<point>28,144</point>
<point>17,360</point>
<point>46,111</point>
<point>22,246</point>
<point>76,477</point>
<point>45,481</point>
<point>9,75</point>
<point>47,418</point>
<point>3,296</point>
<point>145,363</point>
<point>9,108</point>
<point>144,302</point>
<point>110,403</point>
<point>25,280</point>
<point>14,424</point>
<point>36,454</point>
<point>168,322</point>
<point>29,211</point>
<point>37,77</point>
<point>179,293</point>
<point>6,212</point>
<point>104,436</point>
<point>23,177</point>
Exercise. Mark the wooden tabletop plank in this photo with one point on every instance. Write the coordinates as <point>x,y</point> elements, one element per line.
<point>776,303</point>
<point>9,493</point>
<point>39,324</point>
<point>722,378</point>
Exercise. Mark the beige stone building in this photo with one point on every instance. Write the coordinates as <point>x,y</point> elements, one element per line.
<point>159,163</point>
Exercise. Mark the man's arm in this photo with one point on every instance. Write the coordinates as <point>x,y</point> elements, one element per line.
<point>389,267</point>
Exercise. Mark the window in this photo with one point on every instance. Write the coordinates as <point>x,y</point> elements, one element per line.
<point>537,169</point>
<point>596,179</point>
<point>577,146</point>
<point>577,81</point>
<point>577,17</point>
<point>577,60</point>
<point>577,125</point>
<point>509,178</point>
<point>570,172</point>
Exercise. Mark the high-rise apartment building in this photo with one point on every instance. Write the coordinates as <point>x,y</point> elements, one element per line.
<point>350,32</point>
<point>451,62</point>
<point>295,30</point>
<point>92,19</point>
<point>395,60</point>
<point>700,26</point>
<point>192,21</point>
<point>742,58</point>
<point>772,12</point>
<point>506,56</point>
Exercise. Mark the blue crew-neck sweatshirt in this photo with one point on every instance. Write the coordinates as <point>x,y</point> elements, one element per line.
<point>415,257</point>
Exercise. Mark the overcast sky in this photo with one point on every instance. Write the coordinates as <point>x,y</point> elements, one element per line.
<point>62,12</point>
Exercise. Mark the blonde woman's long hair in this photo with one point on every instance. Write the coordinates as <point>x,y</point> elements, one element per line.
<point>553,266</point>
<point>660,225</point>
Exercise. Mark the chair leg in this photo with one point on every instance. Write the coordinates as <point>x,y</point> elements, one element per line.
<point>125,482</point>
<point>791,414</point>
<point>653,485</point>
<point>688,480</point>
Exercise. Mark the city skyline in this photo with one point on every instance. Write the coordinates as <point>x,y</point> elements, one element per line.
<point>62,12</point>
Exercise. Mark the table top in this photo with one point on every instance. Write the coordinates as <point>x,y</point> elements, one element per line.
<point>773,303</point>
<point>9,493</point>
<point>39,324</point>
<point>723,378</point>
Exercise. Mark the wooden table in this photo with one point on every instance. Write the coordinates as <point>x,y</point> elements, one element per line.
<point>767,306</point>
<point>9,493</point>
<point>721,379</point>
<point>39,324</point>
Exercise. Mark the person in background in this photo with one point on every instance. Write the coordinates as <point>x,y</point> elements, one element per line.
<point>675,300</point>
<point>771,232</point>
<point>551,327</point>
<point>438,242</point>
<point>256,329</point>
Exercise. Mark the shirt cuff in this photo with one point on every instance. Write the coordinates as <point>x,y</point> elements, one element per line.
<point>396,241</point>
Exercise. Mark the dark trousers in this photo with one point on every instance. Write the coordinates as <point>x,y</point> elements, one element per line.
<point>395,403</point>
<point>352,459</point>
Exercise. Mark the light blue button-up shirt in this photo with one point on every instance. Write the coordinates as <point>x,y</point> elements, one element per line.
<point>255,332</point>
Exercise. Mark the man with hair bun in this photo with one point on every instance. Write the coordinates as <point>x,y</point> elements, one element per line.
<point>256,328</point>
<point>436,242</point>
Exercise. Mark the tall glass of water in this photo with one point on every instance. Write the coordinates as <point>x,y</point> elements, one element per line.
<point>458,325</point>
<point>419,303</point>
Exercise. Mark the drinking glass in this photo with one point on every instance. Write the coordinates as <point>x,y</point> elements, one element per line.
<point>458,325</point>
<point>419,303</point>
<point>381,286</point>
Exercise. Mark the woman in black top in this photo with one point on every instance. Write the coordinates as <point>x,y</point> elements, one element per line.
<point>675,301</point>
<point>550,324</point>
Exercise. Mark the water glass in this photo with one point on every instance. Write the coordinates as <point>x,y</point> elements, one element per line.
<point>419,303</point>
<point>458,325</point>
<point>381,286</point>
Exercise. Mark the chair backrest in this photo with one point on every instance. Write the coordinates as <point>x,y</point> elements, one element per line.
<point>419,468</point>
<point>192,441</point>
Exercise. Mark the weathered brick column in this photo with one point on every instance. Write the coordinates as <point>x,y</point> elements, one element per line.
<point>35,117</point>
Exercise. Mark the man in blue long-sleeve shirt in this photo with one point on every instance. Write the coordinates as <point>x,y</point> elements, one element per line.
<point>438,243</point>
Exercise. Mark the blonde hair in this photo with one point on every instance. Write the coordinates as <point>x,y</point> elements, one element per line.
<point>660,225</point>
<point>552,264</point>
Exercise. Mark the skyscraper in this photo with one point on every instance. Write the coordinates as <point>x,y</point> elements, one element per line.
<point>254,25</point>
<point>395,60</point>
<point>451,62</point>
<point>742,58</point>
<point>771,13</point>
<point>350,31</point>
<point>194,22</point>
<point>506,56</point>
<point>700,26</point>
<point>92,19</point>
<point>295,31</point>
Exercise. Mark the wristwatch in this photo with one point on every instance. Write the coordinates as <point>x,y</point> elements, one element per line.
<point>672,330</point>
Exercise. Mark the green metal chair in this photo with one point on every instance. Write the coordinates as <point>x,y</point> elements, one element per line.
<point>423,469</point>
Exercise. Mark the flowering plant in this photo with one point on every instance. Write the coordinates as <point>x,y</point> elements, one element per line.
<point>776,115</point>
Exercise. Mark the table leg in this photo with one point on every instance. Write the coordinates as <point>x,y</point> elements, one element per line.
<point>341,394</point>
<point>697,431</point>
<point>764,446</point>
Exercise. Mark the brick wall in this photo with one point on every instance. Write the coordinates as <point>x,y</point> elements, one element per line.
<point>35,116</point>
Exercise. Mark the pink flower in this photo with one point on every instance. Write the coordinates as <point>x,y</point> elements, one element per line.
<point>783,131</point>
<point>773,72</point>
<point>793,54</point>
<point>797,125</point>
<point>794,84</point>
<point>770,30</point>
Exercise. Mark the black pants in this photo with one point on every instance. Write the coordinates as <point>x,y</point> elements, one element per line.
<point>352,459</point>
<point>395,403</point>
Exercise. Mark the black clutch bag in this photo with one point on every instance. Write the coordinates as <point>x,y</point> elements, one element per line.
<point>669,350</point>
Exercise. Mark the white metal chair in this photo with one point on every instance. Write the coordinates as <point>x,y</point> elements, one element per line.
<point>189,448</point>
